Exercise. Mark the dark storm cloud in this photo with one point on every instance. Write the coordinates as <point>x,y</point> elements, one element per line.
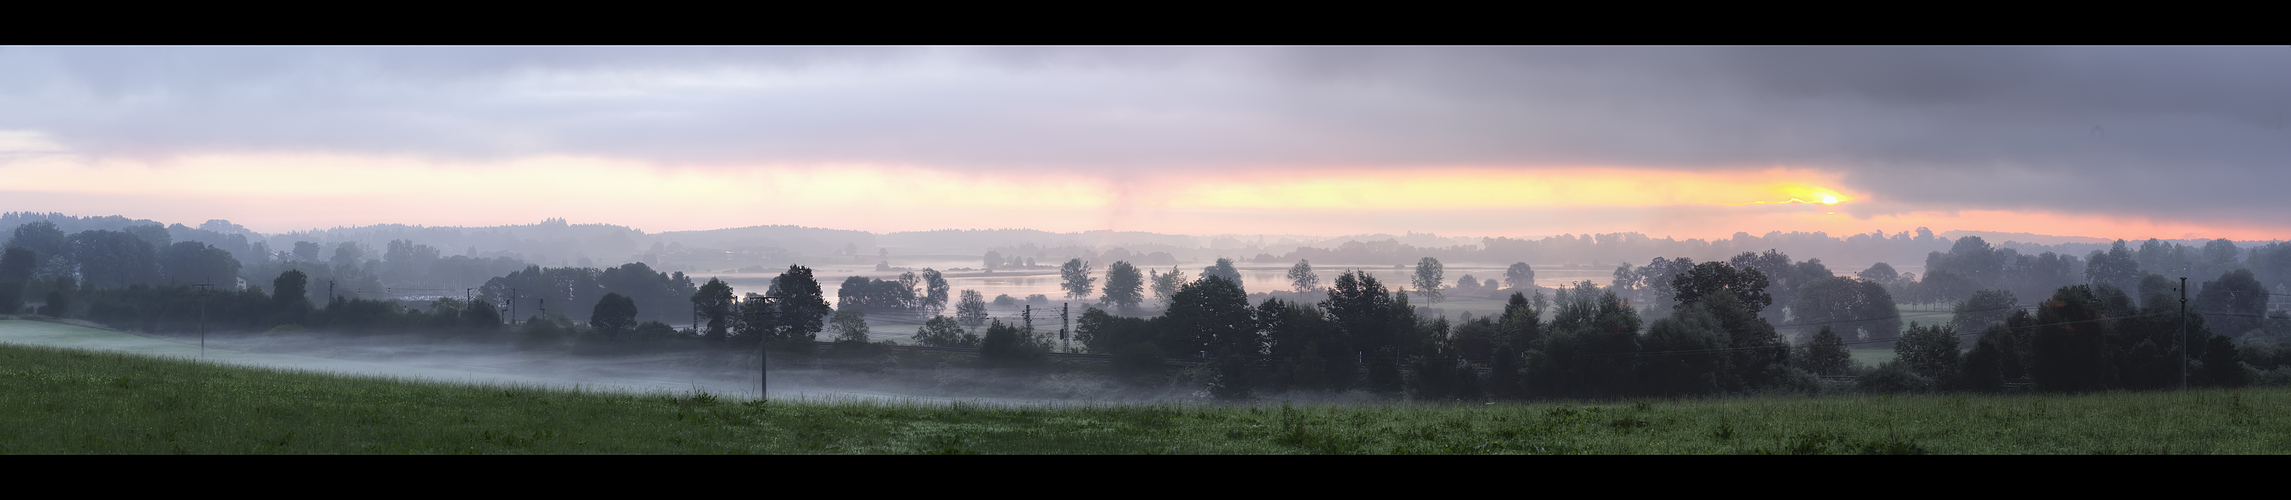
<point>2116,130</point>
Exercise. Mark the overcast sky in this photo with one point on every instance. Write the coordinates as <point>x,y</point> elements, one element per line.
<point>1688,142</point>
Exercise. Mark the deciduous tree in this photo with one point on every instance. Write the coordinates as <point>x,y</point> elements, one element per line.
<point>1075,279</point>
<point>613,315</point>
<point>1428,279</point>
<point>1302,279</point>
<point>971,311</point>
<point>1125,287</point>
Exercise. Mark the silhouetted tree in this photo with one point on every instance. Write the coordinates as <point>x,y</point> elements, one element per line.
<point>1302,279</point>
<point>1165,285</point>
<point>1984,308</point>
<point>1825,354</point>
<point>192,262</point>
<point>44,240</point>
<point>1364,310</point>
<point>935,290</point>
<point>16,266</point>
<point>2233,304</point>
<point>713,302</point>
<point>1930,351</point>
<point>1686,353</point>
<point>1984,367</point>
<point>290,291</point>
<point>861,292</point>
<point>1519,275</point>
<point>1880,273</point>
<point>1428,279</point>
<point>613,315</point>
<point>306,250</point>
<point>1125,286</point>
<point>849,325</point>
<point>1213,315</point>
<point>2068,348</point>
<point>942,331</point>
<point>1223,268</point>
<point>1861,309</point>
<point>971,311</point>
<point>1006,346</point>
<point>153,234</point>
<point>1074,278</point>
<point>2222,365</point>
<point>2117,267</point>
<point>1947,287</point>
<point>1747,285</point>
<point>803,305</point>
<point>481,316</point>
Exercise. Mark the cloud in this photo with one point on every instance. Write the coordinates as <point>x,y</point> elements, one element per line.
<point>2187,132</point>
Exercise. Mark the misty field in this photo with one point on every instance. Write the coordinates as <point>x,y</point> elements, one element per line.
<point>70,401</point>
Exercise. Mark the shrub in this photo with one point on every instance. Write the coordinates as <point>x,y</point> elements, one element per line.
<point>849,325</point>
<point>1825,354</point>
<point>942,331</point>
<point>654,330</point>
<point>1894,377</point>
<point>1137,362</point>
<point>1929,350</point>
<point>1230,378</point>
<point>1004,346</point>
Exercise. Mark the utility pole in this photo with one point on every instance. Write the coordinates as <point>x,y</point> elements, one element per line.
<point>203,289</point>
<point>2183,333</point>
<point>1063,345</point>
<point>513,306</point>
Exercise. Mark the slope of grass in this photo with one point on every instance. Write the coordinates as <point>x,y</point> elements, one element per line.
<point>69,401</point>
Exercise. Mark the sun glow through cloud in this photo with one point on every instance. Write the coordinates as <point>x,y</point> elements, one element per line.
<point>1495,188</point>
<point>282,192</point>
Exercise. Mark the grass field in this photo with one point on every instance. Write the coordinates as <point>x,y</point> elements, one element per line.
<point>71,401</point>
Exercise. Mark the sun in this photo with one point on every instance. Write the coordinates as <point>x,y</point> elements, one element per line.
<point>1829,200</point>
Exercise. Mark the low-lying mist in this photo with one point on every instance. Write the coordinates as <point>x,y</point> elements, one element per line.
<point>927,378</point>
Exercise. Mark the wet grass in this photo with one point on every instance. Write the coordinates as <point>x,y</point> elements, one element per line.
<point>70,401</point>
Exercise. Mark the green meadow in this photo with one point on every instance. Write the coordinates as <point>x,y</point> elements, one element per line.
<point>65,401</point>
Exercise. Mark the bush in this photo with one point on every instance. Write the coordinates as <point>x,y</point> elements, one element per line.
<point>1384,372</point>
<point>1503,374</point>
<point>849,325</point>
<point>1005,300</point>
<point>1004,346</point>
<point>1825,354</point>
<point>1929,350</point>
<point>1230,378</point>
<point>1137,362</point>
<point>654,330</point>
<point>942,331</point>
<point>1441,378</point>
<point>1894,377</point>
<point>540,332</point>
<point>2222,365</point>
<point>1983,369</point>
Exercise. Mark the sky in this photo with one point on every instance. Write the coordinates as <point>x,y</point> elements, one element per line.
<point>1686,142</point>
